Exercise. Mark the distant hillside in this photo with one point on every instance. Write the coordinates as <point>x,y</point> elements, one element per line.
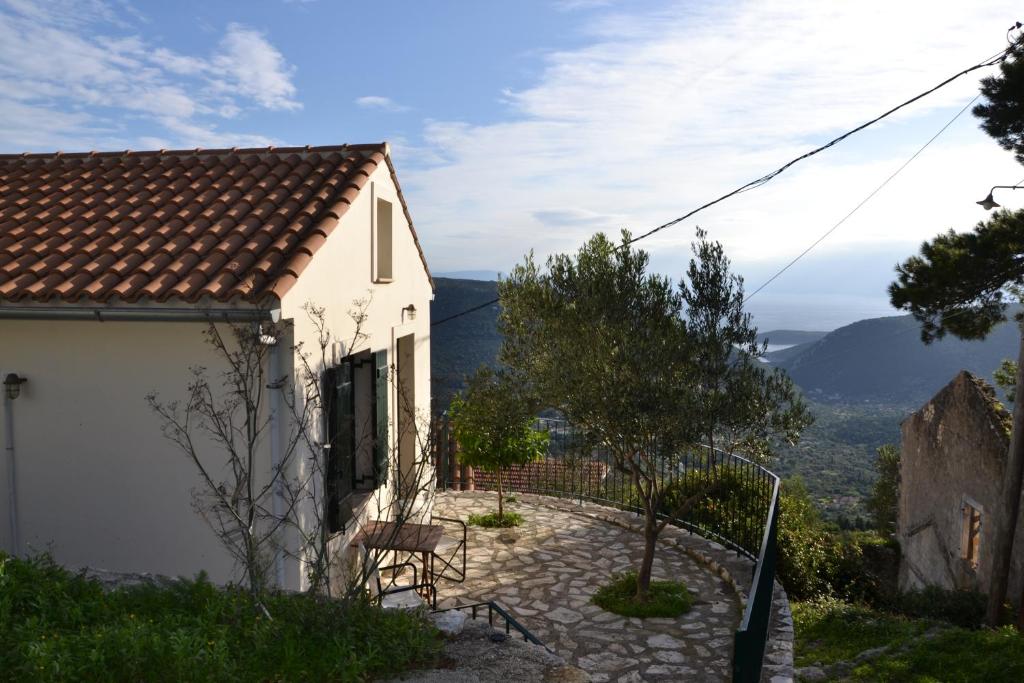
<point>459,347</point>
<point>783,337</point>
<point>883,360</point>
<point>862,380</point>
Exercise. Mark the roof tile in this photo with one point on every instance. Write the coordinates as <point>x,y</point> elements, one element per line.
<point>180,224</point>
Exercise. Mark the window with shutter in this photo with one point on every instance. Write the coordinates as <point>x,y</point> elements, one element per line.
<point>380,397</point>
<point>340,408</point>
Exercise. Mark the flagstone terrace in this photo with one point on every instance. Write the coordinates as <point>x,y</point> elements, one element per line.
<point>545,572</point>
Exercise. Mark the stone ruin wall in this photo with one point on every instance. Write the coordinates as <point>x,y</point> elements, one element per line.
<point>953,451</point>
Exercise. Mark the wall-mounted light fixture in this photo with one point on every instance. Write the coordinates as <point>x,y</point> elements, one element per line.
<point>410,312</point>
<point>12,385</point>
<point>988,203</point>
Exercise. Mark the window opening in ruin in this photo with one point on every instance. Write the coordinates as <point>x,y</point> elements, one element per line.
<point>970,538</point>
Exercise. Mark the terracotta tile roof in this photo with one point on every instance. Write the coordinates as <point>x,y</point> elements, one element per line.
<point>188,225</point>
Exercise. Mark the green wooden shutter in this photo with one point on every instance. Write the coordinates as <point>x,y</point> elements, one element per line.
<point>380,394</point>
<point>339,477</point>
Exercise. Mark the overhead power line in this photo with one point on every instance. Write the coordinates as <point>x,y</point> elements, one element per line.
<point>994,59</point>
<point>862,202</point>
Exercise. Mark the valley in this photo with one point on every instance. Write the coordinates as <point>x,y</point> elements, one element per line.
<point>860,381</point>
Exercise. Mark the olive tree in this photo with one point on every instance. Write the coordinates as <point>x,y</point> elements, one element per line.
<point>648,370</point>
<point>600,339</point>
<point>743,404</point>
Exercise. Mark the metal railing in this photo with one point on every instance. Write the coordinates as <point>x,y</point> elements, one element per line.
<point>510,621</point>
<point>739,509</point>
<point>752,635</point>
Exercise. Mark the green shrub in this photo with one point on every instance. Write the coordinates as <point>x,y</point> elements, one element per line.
<point>963,608</point>
<point>664,598</point>
<point>493,521</point>
<point>830,630</point>
<point>59,626</point>
<point>808,554</point>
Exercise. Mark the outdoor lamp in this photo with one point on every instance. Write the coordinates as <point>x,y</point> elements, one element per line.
<point>410,310</point>
<point>988,203</point>
<point>12,385</point>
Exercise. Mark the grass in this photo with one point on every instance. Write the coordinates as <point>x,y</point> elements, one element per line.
<point>491,521</point>
<point>830,631</point>
<point>664,598</point>
<point>59,626</point>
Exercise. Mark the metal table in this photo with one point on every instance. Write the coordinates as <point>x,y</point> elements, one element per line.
<point>420,539</point>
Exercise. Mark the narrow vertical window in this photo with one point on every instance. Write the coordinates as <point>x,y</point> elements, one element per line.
<point>340,416</point>
<point>380,423</point>
<point>385,271</point>
<point>970,535</point>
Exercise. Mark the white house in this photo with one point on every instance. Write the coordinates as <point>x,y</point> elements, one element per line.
<point>111,266</point>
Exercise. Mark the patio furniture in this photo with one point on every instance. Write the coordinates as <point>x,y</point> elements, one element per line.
<point>395,596</point>
<point>445,562</point>
<point>402,537</point>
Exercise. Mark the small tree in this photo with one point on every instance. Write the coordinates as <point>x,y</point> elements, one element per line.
<point>883,503</point>
<point>230,418</point>
<point>494,426</point>
<point>1006,378</point>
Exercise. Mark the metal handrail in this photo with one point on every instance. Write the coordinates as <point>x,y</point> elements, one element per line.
<point>752,635</point>
<point>510,621</point>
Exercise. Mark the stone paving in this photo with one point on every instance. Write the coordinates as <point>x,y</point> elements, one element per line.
<point>545,572</point>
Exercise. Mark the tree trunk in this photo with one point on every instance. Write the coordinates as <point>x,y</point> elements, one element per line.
<point>501,508</point>
<point>1009,507</point>
<point>643,577</point>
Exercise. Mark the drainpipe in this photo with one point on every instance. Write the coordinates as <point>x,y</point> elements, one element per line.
<point>11,482</point>
<point>275,452</point>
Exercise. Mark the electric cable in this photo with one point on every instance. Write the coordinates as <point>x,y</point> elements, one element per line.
<point>862,202</point>
<point>994,59</point>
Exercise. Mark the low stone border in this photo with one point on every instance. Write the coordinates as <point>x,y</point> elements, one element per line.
<point>778,659</point>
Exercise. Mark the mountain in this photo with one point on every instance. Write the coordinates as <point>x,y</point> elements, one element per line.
<point>491,275</point>
<point>789,337</point>
<point>460,346</point>
<point>861,380</point>
<point>883,360</point>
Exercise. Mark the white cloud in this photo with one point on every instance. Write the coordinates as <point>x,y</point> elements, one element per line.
<point>256,69</point>
<point>82,72</point>
<point>379,102</point>
<point>658,112</point>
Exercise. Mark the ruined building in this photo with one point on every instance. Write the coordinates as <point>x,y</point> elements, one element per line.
<point>952,463</point>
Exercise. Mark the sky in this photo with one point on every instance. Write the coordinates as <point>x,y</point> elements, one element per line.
<point>530,125</point>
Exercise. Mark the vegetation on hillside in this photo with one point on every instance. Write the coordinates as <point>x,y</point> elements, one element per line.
<point>59,626</point>
<point>883,361</point>
<point>836,457</point>
<point>459,347</point>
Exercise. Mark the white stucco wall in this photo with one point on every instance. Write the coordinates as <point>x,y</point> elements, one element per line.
<point>342,272</point>
<point>98,485</point>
